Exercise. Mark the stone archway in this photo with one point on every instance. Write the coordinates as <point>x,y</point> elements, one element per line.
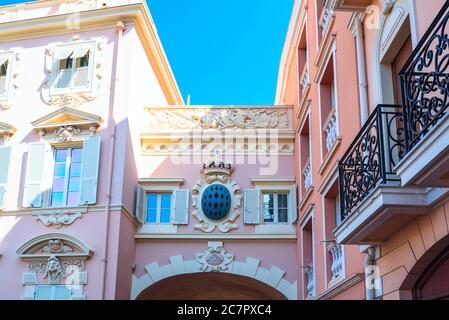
<point>210,286</point>
<point>427,279</point>
<point>256,278</point>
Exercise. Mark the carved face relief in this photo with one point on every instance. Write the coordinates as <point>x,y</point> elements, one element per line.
<point>216,198</point>
<point>53,271</point>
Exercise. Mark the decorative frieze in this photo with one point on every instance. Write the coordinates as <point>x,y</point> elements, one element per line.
<point>217,118</point>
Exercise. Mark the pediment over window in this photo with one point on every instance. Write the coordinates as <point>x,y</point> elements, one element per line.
<point>6,130</point>
<point>54,244</point>
<point>66,123</point>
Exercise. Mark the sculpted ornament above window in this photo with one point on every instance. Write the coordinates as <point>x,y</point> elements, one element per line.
<point>9,76</point>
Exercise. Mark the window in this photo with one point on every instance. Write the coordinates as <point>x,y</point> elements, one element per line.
<point>53,292</point>
<point>275,207</point>
<point>4,75</point>
<point>66,177</point>
<point>73,66</point>
<point>158,208</point>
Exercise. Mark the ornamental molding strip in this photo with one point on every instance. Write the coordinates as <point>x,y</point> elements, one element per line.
<point>216,173</point>
<point>13,78</point>
<point>214,258</point>
<point>274,277</point>
<point>182,118</point>
<point>75,97</point>
<point>58,219</point>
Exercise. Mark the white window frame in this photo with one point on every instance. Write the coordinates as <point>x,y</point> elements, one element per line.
<point>69,149</point>
<point>160,186</point>
<point>275,185</point>
<point>56,69</point>
<point>9,55</point>
<point>275,207</point>
<point>158,208</point>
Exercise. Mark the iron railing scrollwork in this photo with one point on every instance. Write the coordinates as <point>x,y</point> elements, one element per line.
<point>425,81</point>
<point>371,158</point>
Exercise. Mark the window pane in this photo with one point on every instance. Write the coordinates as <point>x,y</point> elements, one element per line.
<point>59,170</point>
<point>3,69</point>
<point>165,216</point>
<point>62,293</point>
<point>64,78</point>
<point>61,155</point>
<point>81,76</point>
<point>151,201</point>
<point>43,292</point>
<point>56,199</point>
<point>282,215</point>
<point>65,64</point>
<point>151,215</point>
<point>83,62</point>
<point>282,201</point>
<point>268,200</point>
<point>73,198</point>
<point>77,155</point>
<point>165,201</point>
<point>74,184</point>
<point>58,185</point>
<point>75,169</point>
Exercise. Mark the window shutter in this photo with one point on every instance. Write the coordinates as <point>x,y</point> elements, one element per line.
<point>34,182</point>
<point>252,206</point>
<point>181,207</point>
<point>89,171</point>
<point>293,210</point>
<point>140,198</point>
<point>5,155</point>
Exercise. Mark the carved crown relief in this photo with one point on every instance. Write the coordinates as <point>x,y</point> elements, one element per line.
<point>215,258</point>
<point>73,98</point>
<point>216,173</point>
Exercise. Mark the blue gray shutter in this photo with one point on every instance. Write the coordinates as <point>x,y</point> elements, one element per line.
<point>34,182</point>
<point>292,208</point>
<point>181,206</point>
<point>5,156</point>
<point>89,171</point>
<point>140,200</point>
<point>252,206</point>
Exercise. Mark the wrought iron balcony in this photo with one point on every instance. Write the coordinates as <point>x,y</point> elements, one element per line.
<point>371,157</point>
<point>425,99</point>
<point>425,81</point>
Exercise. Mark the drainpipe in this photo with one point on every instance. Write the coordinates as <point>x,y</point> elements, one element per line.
<point>361,66</point>
<point>119,27</point>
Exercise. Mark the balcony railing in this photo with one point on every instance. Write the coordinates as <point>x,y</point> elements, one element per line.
<point>307,174</point>
<point>336,252</point>
<point>310,281</point>
<point>425,81</point>
<point>304,80</point>
<point>371,157</point>
<point>330,129</point>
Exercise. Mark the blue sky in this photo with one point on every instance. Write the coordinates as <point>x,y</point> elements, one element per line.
<point>222,51</point>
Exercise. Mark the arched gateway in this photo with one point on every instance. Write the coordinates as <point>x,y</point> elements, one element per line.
<point>204,279</point>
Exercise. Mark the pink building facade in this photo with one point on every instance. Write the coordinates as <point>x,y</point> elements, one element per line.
<point>365,79</point>
<point>111,188</point>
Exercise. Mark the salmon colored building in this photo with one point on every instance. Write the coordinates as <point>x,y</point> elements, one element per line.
<point>368,83</point>
<point>111,187</point>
